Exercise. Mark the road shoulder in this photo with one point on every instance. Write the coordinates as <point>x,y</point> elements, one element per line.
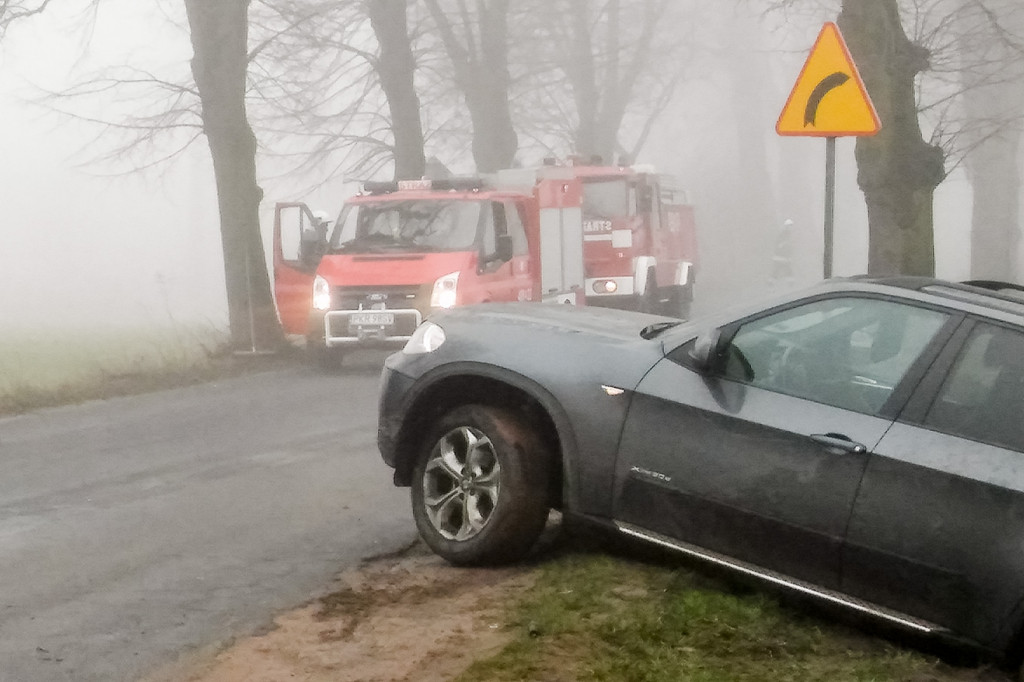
<point>400,618</point>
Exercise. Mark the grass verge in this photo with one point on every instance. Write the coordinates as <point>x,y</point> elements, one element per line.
<point>595,616</point>
<point>48,369</point>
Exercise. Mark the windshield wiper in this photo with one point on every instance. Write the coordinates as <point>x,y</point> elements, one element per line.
<point>373,243</point>
<point>652,330</point>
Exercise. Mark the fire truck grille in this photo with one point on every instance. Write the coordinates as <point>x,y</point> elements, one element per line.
<point>378,312</point>
<point>377,298</point>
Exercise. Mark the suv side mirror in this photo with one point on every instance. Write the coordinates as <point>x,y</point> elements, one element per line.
<point>705,350</point>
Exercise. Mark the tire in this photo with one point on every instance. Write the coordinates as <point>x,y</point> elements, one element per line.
<point>649,302</point>
<point>324,358</point>
<point>677,303</point>
<point>480,487</point>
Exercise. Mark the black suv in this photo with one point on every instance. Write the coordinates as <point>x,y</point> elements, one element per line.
<point>861,441</point>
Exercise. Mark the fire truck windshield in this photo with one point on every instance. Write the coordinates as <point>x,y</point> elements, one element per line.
<point>605,199</point>
<point>415,225</point>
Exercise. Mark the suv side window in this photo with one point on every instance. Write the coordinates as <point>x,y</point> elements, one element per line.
<point>983,396</point>
<point>846,352</point>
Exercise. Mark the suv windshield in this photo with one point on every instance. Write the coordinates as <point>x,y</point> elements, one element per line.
<point>410,226</point>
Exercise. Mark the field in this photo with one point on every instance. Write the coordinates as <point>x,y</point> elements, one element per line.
<point>46,368</point>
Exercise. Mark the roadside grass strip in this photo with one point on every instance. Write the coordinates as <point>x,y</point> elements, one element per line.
<point>607,618</point>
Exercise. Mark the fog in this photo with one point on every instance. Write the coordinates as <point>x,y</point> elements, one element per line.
<point>737,235</point>
<point>83,247</point>
<point>85,244</point>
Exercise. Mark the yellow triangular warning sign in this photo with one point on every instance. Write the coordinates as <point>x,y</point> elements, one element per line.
<point>829,98</point>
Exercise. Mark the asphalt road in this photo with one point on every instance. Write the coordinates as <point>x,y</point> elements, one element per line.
<point>135,530</point>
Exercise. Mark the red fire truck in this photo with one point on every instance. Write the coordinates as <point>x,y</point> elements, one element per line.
<point>563,233</point>
<point>639,240</point>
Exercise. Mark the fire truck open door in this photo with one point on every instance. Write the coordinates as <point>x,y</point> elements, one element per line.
<point>560,201</point>
<point>298,242</point>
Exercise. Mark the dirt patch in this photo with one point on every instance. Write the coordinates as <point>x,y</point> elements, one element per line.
<point>406,618</point>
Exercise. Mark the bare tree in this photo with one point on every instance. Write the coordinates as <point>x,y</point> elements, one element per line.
<point>990,63</point>
<point>476,41</point>
<point>219,36</point>
<point>396,66</point>
<point>15,10</point>
<point>897,169</point>
<point>592,78</point>
<point>338,89</point>
<point>444,78</point>
<point>219,32</point>
<point>315,97</point>
<point>606,58</point>
<point>945,76</point>
<point>308,71</point>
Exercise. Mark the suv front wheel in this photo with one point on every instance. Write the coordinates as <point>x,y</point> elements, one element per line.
<point>479,488</point>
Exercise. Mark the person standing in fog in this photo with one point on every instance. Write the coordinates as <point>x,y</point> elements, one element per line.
<point>782,256</point>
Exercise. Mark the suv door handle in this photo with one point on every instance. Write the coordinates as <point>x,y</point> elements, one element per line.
<point>839,444</point>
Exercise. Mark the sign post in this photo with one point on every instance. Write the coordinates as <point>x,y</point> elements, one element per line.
<point>828,100</point>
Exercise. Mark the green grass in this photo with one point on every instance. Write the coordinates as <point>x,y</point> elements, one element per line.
<point>603,618</point>
<point>43,369</point>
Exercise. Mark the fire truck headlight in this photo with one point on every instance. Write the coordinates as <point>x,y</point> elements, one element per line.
<point>605,286</point>
<point>321,294</point>
<point>445,291</point>
<point>427,338</point>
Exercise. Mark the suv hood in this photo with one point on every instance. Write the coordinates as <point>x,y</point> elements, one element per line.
<point>589,321</point>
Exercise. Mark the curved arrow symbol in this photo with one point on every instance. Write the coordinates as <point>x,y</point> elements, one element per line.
<point>829,83</point>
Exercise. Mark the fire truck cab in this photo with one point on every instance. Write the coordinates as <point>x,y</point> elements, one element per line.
<point>399,251</point>
<point>639,243</point>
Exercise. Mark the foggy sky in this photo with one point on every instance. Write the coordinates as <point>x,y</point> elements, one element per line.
<point>79,248</point>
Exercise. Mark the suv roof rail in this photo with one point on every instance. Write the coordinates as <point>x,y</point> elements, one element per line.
<point>993,285</point>
<point>999,295</point>
<point>994,294</point>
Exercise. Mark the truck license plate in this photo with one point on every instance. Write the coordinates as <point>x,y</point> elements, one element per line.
<point>371,319</point>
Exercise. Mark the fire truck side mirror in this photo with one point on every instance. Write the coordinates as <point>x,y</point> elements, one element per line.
<point>503,248</point>
<point>645,199</point>
<point>313,242</point>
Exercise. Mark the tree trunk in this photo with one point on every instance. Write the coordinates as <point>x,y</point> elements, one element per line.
<point>752,181</point>
<point>219,33</point>
<point>603,78</point>
<point>612,105</point>
<point>993,101</point>
<point>396,68</point>
<point>494,137</point>
<point>481,71</point>
<point>995,214</point>
<point>896,169</point>
<point>582,73</point>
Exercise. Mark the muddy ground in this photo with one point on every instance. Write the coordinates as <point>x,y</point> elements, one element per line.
<point>404,618</point>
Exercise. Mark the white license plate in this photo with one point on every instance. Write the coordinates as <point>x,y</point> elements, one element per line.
<point>371,319</point>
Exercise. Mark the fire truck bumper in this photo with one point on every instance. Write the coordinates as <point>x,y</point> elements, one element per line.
<point>389,328</point>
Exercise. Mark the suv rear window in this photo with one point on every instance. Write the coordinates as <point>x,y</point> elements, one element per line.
<point>983,396</point>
